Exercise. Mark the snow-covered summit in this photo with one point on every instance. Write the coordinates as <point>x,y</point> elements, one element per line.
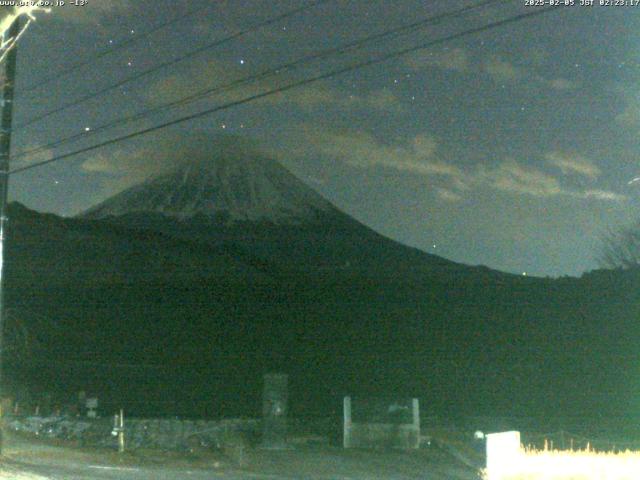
<point>223,180</point>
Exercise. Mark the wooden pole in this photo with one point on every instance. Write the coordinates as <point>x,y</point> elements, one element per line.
<point>5,149</point>
<point>121,432</point>
<point>346,435</point>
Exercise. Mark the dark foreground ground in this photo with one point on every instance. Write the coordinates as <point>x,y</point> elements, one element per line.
<point>31,459</point>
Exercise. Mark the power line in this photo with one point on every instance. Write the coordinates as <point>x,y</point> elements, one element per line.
<point>290,86</point>
<point>404,29</point>
<point>170,63</point>
<point>108,51</point>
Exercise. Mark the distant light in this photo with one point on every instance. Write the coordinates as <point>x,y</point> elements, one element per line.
<point>241,61</point>
<point>223,126</point>
<point>132,32</point>
<point>434,245</point>
<point>524,274</point>
<point>86,129</point>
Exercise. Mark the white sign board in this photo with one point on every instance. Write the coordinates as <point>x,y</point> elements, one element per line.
<point>503,454</point>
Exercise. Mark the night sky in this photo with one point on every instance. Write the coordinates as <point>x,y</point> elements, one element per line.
<point>515,147</point>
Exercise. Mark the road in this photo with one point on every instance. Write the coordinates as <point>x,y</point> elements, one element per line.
<point>16,470</point>
<point>23,471</point>
<point>27,459</point>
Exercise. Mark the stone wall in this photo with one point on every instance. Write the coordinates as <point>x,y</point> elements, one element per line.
<point>165,434</point>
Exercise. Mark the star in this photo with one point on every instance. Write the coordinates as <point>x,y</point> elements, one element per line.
<point>241,61</point>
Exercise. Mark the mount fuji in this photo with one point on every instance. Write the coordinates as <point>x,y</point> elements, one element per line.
<point>225,183</point>
<point>223,191</point>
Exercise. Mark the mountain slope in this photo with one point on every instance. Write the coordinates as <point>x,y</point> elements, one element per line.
<point>227,193</point>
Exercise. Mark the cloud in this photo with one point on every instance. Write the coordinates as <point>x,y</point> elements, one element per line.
<point>363,150</point>
<point>501,71</point>
<point>455,59</point>
<point>603,195</point>
<point>562,84</point>
<point>317,96</point>
<point>198,77</point>
<point>419,156</point>
<point>383,100</point>
<point>448,195</point>
<point>510,176</point>
<point>307,97</point>
<point>513,177</point>
<point>121,169</point>
<point>497,68</point>
<point>630,116</point>
<point>193,79</point>
<point>125,167</point>
<point>39,154</point>
<point>573,164</point>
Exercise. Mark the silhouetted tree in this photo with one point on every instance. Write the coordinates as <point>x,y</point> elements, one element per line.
<point>621,248</point>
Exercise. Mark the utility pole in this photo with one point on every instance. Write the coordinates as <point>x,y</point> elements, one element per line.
<point>5,150</point>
